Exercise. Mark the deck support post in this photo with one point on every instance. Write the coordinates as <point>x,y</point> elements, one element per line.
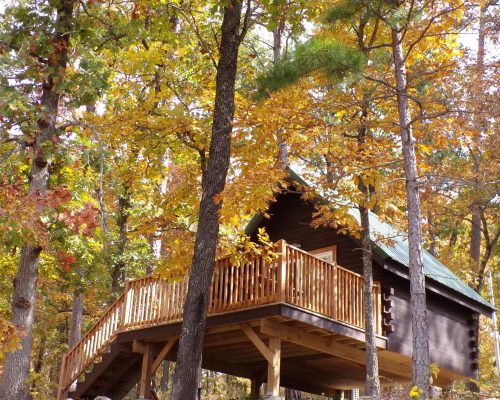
<point>146,372</point>
<point>273,370</point>
<point>272,354</point>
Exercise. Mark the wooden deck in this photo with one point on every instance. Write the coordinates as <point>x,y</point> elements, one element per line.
<point>296,282</point>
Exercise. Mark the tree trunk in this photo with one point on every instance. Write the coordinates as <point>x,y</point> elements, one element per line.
<point>165,376</point>
<point>150,265</point>
<point>76,319</point>
<point>39,357</point>
<point>15,377</point>
<point>475,255</point>
<point>420,355</point>
<point>118,272</point>
<point>495,325</point>
<point>432,235</point>
<point>213,183</point>
<point>76,324</point>
<point>475,239</point>
<point>372,381</point>
<point>282,145</point>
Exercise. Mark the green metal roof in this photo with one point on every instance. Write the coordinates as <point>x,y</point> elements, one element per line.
<point>396,248</point>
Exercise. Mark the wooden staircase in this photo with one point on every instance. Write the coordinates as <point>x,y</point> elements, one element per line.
<point>102,365</point>
<point>115,374</point>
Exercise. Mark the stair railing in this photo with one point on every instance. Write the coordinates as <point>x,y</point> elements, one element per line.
<point>295,277</point>
<point>91,345</point>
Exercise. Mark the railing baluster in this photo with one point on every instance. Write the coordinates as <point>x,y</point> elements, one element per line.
<point>246,294</point>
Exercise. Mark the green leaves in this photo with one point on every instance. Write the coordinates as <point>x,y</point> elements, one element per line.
<point>341,12</point>
<point>327,56</point>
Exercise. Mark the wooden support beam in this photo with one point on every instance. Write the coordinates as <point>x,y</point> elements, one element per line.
<point>139,347</point>
<point>163,353</point>
<point>328,346</point>
<point>146,373</point>
<point>259,344</point>
<point>273,368</point>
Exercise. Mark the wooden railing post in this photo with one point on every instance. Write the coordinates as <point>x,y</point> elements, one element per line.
<point>125,307</point>
<point>282,261</point>
<point>61,390</point>
<point>335,313</point>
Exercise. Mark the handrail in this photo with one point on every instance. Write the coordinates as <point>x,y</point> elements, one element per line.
<point>328,289</point>
<point>91,345</point>
<point>295,277</point>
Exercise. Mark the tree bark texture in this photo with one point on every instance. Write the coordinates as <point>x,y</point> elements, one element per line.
<point>420,333</point>
<point>15,377</point>
<point>213,183</point>
<point>372,381</point>
<point>76,319</point>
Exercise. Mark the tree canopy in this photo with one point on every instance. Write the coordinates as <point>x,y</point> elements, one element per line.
<point>106,119</point>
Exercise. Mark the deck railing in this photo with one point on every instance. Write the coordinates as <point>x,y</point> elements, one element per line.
<point>327,289</point>
<point>295,277</point>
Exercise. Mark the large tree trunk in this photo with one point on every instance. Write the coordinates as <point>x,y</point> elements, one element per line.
<point>213,183</point>
<point>420,355</point>
<point>17,364</point>
<point>15,377</point>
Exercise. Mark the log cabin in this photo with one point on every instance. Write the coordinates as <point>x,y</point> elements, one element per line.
<point>295,321</point>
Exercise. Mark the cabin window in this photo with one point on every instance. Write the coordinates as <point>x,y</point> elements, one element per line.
<point>329,254</point>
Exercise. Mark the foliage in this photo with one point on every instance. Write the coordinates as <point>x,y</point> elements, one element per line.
<point>243,249</point>
<point>133,137</point>
<point>9,338</point>
<point>333,59</point>
<point>416,392</point>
